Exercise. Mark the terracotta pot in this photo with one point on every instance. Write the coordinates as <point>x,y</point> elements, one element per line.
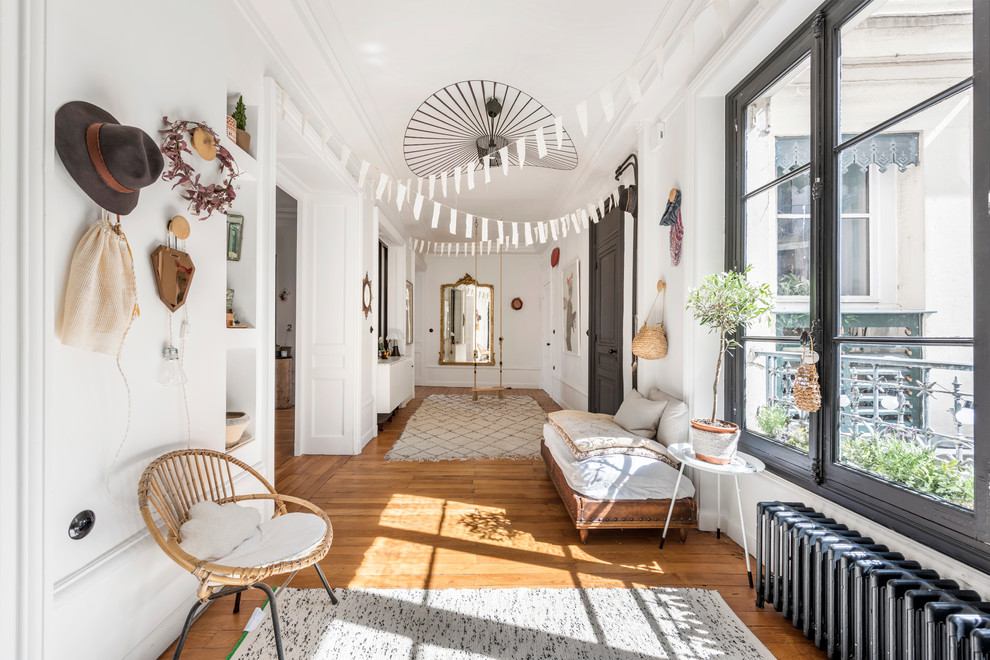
<point>714,444</point>
<point>244,140</point>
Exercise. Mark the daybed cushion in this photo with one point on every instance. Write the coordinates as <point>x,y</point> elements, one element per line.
<point>639,415</point>
<point>595,434</point>
<point>675,423</point>
<point>284,538</point>
<point>214,530</point>
<point>615,477</point>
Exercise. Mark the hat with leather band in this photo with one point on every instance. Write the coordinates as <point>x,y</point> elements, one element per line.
<point>109,161</point>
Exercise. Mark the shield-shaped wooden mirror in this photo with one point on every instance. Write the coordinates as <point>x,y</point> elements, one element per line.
<point>173,275</point>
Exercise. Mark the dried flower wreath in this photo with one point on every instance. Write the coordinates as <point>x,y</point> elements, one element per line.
<point>216,197</point>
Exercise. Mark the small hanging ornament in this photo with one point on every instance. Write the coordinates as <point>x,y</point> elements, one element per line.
<point>807,393</point>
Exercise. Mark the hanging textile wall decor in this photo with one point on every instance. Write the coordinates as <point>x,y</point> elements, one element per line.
<point>672,218</point>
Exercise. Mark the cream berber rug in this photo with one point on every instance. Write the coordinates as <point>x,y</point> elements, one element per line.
<point>452,427</point>
<point>624,624</point>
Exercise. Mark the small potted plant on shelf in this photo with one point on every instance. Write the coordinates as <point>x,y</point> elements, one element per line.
<point>724,303</point>
<point>240,118</point>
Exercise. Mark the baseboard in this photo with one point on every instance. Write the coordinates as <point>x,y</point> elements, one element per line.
<point>159,639</point>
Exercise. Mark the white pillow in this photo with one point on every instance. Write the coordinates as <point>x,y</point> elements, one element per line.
<point>213,531</point>
<point>675,423</point>
<point>640,415</point>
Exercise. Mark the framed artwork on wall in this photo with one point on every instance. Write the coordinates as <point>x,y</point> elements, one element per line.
<point>235,236</point>
<point>572,307</point>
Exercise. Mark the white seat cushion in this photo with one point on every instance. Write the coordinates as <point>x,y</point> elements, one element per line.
<point>287,537</point>
<point>213,530</point>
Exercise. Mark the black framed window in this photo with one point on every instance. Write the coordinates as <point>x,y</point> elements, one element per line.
<point>382,289</point>
<point>858,185</point>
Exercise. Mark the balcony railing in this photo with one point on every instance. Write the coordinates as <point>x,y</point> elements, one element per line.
<point>927,402</point>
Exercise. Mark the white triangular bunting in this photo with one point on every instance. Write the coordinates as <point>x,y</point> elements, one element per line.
<point>433,185</point>
<point>345,155</point>
<point>303,122</point>
<point>504,156</point>
<point>484,228</point>
<point>558,130</point>
<point>576,222</point>
<point>382,182</point>
<point>528,232</point>
<point>501,229</point>
<point>543,232</point>
<point>563,226</point>
<point>401,197</point>
<point>583,218</point>
<point>443,183</point>
<point>553,229</point>
<point>608,105</point>
<point>521,151</point>
<point>453,221</point>
<point>419,185</point>
<point>436,215</point>
<point>487,164</point>
<point>457,179</point>
<point>582,115</point>
<point>515,233</point>
<point>469,225</point>
<point>541,143</point>
<point>470,176</point>
<point>363,173</point>
<point>418,205</point>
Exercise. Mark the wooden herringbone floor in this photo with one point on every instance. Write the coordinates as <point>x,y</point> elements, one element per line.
<point>471,524</point>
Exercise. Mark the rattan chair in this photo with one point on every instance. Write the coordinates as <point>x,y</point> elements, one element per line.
<point>173,483</point>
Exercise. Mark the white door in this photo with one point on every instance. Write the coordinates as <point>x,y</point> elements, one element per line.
<point>546,368</point>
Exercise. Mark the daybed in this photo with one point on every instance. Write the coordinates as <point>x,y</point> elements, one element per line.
<point>613,476</point>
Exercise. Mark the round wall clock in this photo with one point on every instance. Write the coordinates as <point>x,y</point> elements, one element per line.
<point>366,296</point>
<point>555,257</point>
<point>516,304</point>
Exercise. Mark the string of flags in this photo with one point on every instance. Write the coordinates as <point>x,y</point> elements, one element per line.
<point>418,192</point>
<point>505,235</point>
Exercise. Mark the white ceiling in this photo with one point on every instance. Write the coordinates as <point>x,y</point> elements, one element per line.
<point>370,64</point>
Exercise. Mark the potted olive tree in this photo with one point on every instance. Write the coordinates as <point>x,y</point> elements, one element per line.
<point>724,303</point>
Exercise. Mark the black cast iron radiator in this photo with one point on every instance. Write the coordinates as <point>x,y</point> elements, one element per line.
<point>858,599</point>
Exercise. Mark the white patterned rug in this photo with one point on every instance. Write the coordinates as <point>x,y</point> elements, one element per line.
<point>452,427</point>
<point>623,624</point>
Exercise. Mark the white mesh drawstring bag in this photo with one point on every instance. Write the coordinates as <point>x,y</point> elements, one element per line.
<point>101,294</point>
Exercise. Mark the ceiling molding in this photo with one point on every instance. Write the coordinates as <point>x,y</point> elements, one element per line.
<point>346,75</point>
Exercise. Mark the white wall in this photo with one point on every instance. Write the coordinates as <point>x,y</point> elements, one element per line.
<point>86,403</point>
<point>521,329</point>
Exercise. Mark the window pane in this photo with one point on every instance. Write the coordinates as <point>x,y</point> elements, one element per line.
<point>906,416</point>
<point>778,124</point>
<point>897,53</point>
<point>911,255</point>
<point>778,247</point>
<point>770,410</point>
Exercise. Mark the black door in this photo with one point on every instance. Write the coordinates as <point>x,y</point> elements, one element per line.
<point>605,389</point>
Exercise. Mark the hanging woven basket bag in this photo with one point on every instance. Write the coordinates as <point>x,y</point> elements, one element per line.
<point>650,343</point>
<point>807,392</point>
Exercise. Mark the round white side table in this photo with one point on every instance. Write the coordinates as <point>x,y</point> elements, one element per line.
<point>741,464</point>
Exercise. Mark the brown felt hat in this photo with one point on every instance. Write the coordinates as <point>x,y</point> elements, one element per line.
<point>110,162</point>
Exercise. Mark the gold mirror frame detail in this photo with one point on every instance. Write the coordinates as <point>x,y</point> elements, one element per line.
<point>467,279</point>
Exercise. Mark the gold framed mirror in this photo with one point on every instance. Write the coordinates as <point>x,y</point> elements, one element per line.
<point>461,341</point>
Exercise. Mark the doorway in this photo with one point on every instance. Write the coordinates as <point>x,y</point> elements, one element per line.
<point>286,225</point>
<point>546,361</point>
<point>607,294</point>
